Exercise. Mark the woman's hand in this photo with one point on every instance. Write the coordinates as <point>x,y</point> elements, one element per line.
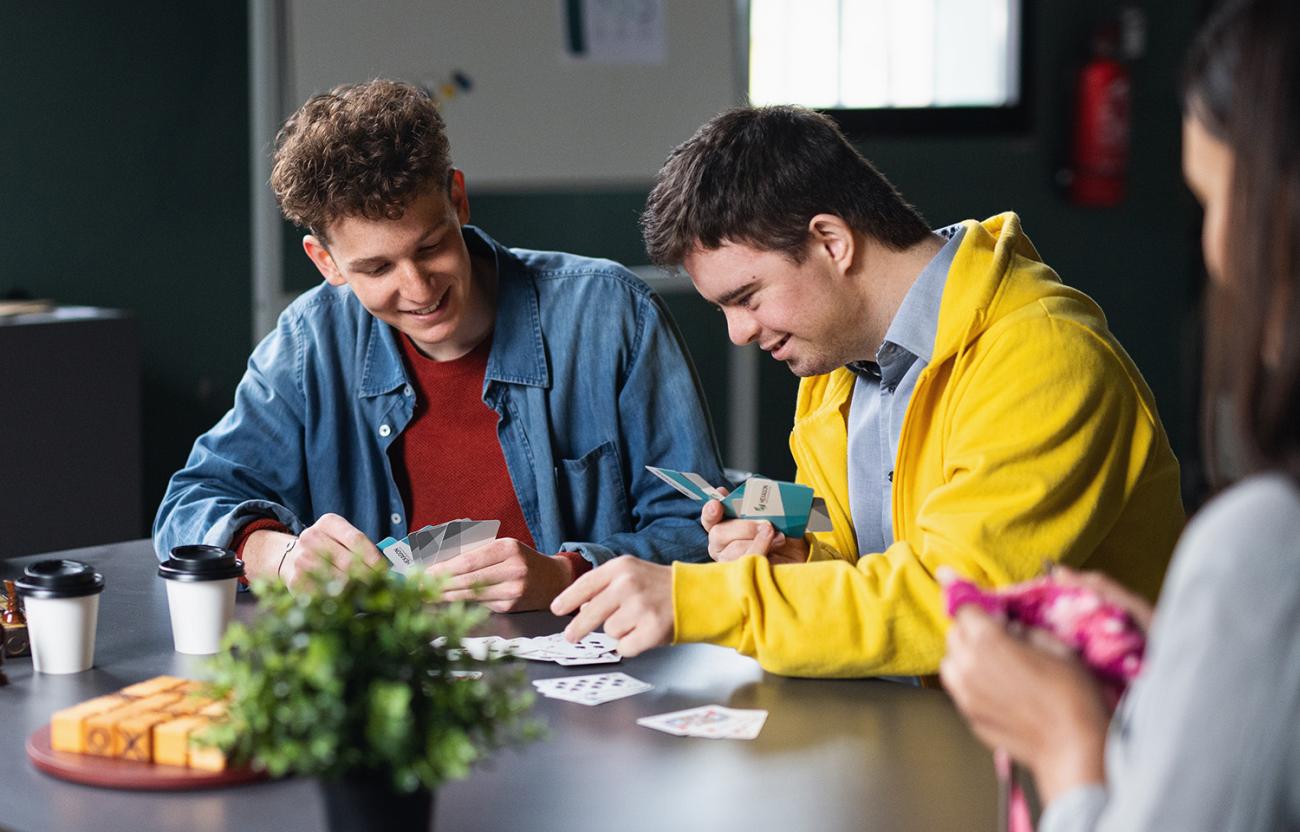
<point>1027,694</point>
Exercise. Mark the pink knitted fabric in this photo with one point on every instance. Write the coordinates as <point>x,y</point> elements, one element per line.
<point>1104,636</point>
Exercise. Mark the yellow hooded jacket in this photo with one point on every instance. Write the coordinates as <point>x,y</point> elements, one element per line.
<point>1030,438</point>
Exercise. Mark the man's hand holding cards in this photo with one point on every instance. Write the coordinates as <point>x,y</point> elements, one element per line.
<point>433,544</point>
<point>761,517</point>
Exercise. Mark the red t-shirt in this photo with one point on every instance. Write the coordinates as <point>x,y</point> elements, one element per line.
<point>448,462</point>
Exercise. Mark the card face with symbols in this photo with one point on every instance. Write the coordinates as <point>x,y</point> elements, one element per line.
<point>710,721</point>
<point>593,689</point>
<point>790,507</point>
<point>594,648</point>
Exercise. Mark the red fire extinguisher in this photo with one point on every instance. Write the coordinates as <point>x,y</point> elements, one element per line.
<point>1102,121</point>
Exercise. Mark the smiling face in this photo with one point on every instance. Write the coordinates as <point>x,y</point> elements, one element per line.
<point>1207,166</point>
<point>413,273</point>
<point>806,314</point>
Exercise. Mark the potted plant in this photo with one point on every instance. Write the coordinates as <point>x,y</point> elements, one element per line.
<point>358,682</point>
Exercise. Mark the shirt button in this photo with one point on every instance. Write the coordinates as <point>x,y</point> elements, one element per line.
<point>408,391</point>
<point>384,430</point>
<point>396,518</point>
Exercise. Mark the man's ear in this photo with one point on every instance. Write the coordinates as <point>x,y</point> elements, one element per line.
<point>833,237</point>
<point>324,261</point>
<point>458,196</point>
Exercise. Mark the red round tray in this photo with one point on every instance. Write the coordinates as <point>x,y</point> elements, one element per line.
<point>112,773</point>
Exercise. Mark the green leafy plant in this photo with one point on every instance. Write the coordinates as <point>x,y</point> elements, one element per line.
<point>359,677</point>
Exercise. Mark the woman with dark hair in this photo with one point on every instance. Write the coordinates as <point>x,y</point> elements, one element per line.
<point>1209,735</point>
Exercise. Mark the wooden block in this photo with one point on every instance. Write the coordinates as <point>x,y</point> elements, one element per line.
<point>207,758</point>
<point>171,740</point>
<point>149,687</point>
<point>189,686</point>
<point>189,705</point>
<point>133,736</point>
<point>67,726</point>
<point>98,730</point>
<point>216,710</point>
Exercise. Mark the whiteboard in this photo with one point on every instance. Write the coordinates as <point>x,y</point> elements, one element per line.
<point>535,117</point>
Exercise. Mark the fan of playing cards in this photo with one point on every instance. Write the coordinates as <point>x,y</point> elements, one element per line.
<point>595,648</point>
<point>434,544</point>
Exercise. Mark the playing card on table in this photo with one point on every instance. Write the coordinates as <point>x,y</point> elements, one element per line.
<point>593,689</point>
<point>491,646</point>
<point>595,648</point>
<point>711,721</point>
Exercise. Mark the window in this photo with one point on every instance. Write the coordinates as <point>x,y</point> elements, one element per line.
<point>892,65</point>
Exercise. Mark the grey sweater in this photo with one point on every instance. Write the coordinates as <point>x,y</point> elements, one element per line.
<point>1208,737</point>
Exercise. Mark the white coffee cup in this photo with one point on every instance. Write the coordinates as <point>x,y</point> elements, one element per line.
<point>61,601</point>
<point>201,585</point>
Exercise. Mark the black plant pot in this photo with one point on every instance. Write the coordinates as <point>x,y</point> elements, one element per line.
<point>365,803</point>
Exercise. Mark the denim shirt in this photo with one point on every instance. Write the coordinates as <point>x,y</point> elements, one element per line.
<point>588,377</point>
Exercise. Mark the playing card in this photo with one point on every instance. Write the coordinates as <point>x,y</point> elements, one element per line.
<point>688,483</point>
<point>819,518</point>
<point>463,535</point>
<point>398,553</point>
<point>572,661</point>
<point>593,689</point>
<point>790,507</point>
<point>593,649</point>
<point>596,648</point>
<point>426,542</point>
<point>491,647</point>
<point>434,544</point>
<point>710,721</point>
<point>465,674</point>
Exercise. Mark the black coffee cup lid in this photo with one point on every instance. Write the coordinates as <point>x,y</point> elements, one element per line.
<point>58,578</point>
<point>200,562</point>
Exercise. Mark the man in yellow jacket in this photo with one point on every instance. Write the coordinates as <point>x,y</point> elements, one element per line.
<point>959,407</point>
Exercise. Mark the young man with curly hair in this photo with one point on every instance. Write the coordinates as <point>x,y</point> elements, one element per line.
<point>959,407</point>
<point>437,374</point>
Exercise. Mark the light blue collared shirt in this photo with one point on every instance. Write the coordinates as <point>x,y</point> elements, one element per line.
<point>882,393</point>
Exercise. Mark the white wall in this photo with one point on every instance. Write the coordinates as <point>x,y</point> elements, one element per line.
<point>536,117</point>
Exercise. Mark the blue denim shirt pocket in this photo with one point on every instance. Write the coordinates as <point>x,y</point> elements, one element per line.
<point>593,493</point>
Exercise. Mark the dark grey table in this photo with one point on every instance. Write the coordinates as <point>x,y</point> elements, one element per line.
<point>834,755</point>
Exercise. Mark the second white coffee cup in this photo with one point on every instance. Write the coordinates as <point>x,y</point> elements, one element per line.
<point>201,585</point>
<point>61,600</point>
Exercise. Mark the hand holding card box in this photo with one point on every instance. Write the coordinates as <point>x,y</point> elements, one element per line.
<point>434,544</point>
<point>791,508</point>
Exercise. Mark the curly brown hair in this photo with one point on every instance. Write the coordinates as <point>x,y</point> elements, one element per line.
<point>359,150</point>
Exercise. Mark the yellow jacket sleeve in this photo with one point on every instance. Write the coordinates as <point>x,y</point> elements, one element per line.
<point>1035,449</point>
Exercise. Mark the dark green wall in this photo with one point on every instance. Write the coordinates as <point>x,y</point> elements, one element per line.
<point>124,183</point>
<point>1140,261</point>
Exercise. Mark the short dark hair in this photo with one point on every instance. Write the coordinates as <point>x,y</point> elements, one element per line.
<point>757,176</point>
<point>1242,83</point>
<point>360,150</point>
